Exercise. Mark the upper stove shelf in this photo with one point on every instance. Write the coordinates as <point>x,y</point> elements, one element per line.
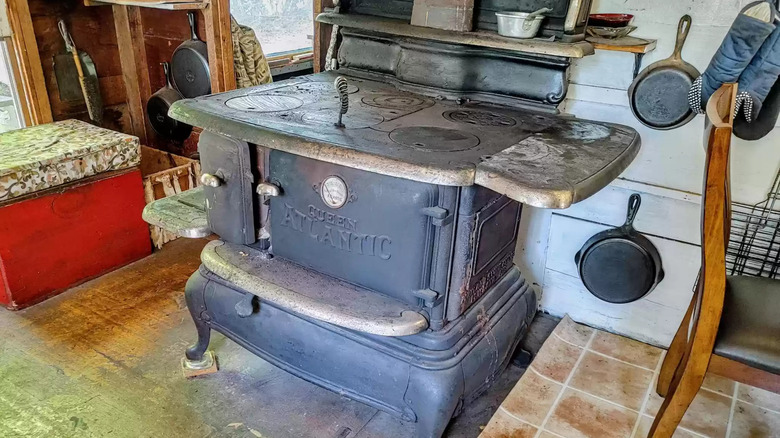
<point>479,38</point>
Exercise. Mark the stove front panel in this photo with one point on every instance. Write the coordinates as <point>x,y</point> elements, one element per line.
<point>384,233</point>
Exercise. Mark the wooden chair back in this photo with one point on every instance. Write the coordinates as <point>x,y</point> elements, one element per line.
<point>715,214</point>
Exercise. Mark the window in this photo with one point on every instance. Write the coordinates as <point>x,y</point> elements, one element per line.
<point>282,26</point>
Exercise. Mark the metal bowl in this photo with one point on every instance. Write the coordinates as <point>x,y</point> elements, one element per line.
<point>518,24</point>
<point>610,32</point>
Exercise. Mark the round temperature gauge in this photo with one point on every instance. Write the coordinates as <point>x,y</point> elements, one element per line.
<point>334,192</point>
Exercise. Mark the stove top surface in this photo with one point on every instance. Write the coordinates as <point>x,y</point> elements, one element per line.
<point>400,133</point>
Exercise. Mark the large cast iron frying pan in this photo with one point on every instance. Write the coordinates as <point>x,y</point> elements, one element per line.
<point>190,65</point>
<point>659,95</point>
<point>620,265</point>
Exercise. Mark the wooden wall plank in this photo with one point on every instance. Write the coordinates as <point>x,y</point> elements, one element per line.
<point>322,33</point>
<point>220,45</point>
<point>92,33</point>
<point>29,62</point>
<point>135,74</point>
<point>658,215</point>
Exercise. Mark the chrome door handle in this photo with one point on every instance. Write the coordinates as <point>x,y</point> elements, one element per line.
<point>210,180</point>
<point>268,189</point>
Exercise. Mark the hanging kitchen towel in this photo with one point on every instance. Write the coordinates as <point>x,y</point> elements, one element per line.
<point>248,58</point>
<point>759,77</point>
<point>748,32</point>
<point>765,121</point>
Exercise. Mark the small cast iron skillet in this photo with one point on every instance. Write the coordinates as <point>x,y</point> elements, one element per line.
<point>659,94</point>
<point>620,265</point>
<point>157,110</point>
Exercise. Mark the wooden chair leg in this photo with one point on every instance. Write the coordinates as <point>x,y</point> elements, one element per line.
<point>675,353</point>
<point>684,387</point>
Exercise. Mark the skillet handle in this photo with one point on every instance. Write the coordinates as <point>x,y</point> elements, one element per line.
<point>682,34</point>
<point>193,27</point>
<point>633,208</point>
<point>167,70</point>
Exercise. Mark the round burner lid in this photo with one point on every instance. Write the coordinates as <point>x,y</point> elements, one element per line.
<point>396,101</point>
<point>434,139</point>
<point>264,103</point>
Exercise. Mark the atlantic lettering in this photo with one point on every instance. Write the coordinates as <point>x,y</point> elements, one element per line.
<point>340,232</point>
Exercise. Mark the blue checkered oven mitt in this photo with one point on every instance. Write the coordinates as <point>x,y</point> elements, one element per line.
<point>744,39</point>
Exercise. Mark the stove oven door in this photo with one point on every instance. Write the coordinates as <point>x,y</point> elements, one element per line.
<point>387,234</point>
<point>227,184</point>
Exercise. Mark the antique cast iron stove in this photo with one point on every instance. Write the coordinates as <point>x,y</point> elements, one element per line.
<point>367,231</point>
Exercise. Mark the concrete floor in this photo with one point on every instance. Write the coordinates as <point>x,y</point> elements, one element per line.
<point>102,360</point>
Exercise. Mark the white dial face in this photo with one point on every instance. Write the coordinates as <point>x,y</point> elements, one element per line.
<point>334,192</point>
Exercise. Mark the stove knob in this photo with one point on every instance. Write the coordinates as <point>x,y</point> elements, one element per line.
<point>210,180</point>
<point>267,189</point>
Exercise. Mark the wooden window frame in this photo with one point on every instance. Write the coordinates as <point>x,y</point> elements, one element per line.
<point>26,65</point>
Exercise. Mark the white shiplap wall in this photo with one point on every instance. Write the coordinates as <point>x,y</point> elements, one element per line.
<point>667,173</point>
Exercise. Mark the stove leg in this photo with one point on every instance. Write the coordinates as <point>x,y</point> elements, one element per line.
<point>434,403</point>
<point>197,361</point>
<point>196,351</point>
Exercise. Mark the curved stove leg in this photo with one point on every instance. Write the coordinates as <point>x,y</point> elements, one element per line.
<point>434,397</point>
<point>198,361</point>
<point>197,351</point>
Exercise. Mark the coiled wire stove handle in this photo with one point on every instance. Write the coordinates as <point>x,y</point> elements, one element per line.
<point>341,88</point>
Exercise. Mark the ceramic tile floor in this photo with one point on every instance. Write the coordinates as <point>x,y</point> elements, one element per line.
<point>586,383</point>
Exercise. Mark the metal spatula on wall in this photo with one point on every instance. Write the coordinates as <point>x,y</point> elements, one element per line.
<point>81,69</point>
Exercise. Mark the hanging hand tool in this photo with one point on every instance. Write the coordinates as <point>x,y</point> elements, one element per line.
<point>88,82</point>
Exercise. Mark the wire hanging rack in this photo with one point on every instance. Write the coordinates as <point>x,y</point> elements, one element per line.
<point>754,241</point>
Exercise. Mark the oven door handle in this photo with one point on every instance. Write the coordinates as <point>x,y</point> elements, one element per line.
<point>317,296</point>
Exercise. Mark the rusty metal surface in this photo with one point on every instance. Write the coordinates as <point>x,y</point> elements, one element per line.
<point>183,214</point>
<point>310,293</point>
<point>538,158</point>
<point>561,166</point>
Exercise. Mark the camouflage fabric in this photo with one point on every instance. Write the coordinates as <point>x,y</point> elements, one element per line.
<point>44,156</point>
<point>248,57</point>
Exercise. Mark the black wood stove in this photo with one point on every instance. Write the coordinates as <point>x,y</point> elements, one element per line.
<point>371,251</point>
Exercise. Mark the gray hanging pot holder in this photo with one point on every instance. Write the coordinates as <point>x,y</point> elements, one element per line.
<point>742,42</point>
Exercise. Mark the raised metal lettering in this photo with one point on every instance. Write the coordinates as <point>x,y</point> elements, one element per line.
<point>341,235</point>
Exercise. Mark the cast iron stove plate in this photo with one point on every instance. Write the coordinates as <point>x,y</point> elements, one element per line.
<point>397,101</point>
<point>323,87</point>
<point>542,158</point>
<point>353,120</point>
<point>434,139</point>
<point>479,118</point>
<point>264,103</point>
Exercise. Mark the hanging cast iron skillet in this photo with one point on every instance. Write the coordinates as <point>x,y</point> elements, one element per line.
<point>190,65</point>
<point>157,110</point>
<point>659,94</point>
<point>620,265</point>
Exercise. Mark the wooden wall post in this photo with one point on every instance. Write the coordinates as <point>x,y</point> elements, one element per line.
<point>28,63</point>
<point>135,74</point>
<point>321,35</point>
<point>220,45</point>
